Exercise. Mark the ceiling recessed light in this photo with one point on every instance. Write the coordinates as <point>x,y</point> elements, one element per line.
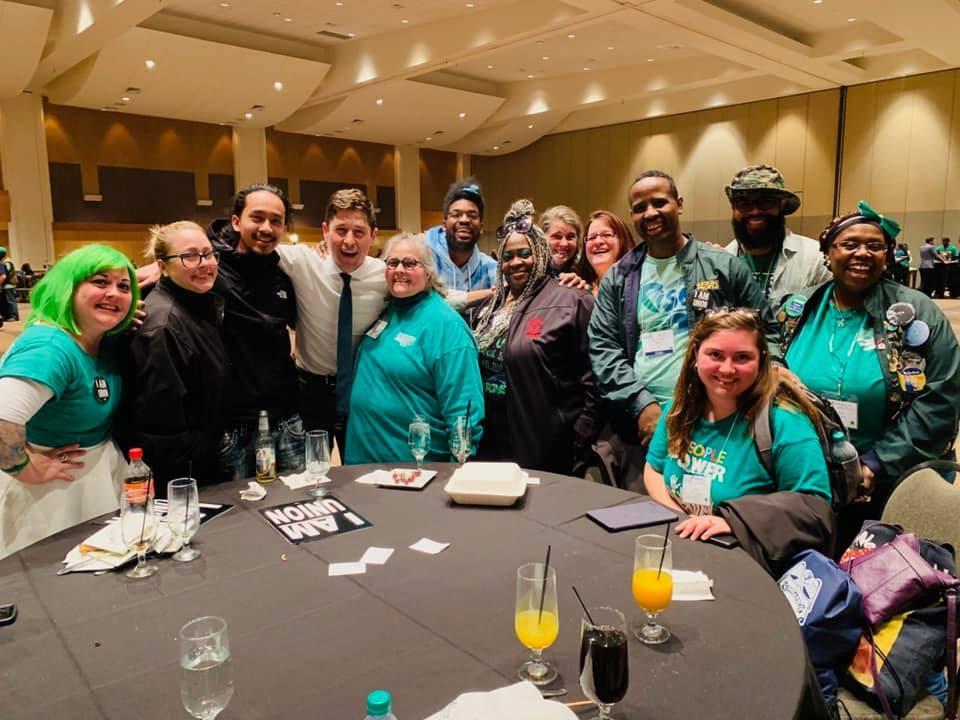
<point>489,67</point>
<point>351,34</point>
<point>470,5</point>
<point>531,76</point>
<point>428,138</point>
<point>529,127</point>
<point>248,115</point>
<point>496,147</point>
<point>278,86</point>
<point>545,57</point>
<point>649,59</point>
<point>571,36</point>
<point>288,19</point>
<point>125,99</point>
<point>379,101</point>
<point>150,64</point>
<point>817,2</point>
<point>339,4</point>
<point>586,68</point>
<point>851,19</point>
<point>405,21</point>
<point>224,5</point>
<point>462,115</point>
<point>610,47</point>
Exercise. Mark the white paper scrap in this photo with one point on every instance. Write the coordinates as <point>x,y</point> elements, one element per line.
<point>253,491</point>
<point>374,477</point>
<point>298,481</point>
<point>428,546</point>
<point>691,585</point>
<point>346,568</point>
<point>376,555</point>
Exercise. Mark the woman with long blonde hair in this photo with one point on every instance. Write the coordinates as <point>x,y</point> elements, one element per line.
<point>703,451</point>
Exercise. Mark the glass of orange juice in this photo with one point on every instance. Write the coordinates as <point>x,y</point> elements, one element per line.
<point>536,621</point>
<point>652,585</point>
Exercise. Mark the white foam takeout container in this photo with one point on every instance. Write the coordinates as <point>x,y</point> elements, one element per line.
<point>487,483</point>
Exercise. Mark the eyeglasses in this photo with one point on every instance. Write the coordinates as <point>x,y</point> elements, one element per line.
<point>760,201</point>
<point>407,262</point>
<point>193,259</point>
<point>524,253</point>
<point>522,226</point>
<point>851,246</point>
<point>605,235</point>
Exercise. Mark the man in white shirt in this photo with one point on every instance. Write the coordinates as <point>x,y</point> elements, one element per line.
<point>324,365</point>
<point>781,261</point>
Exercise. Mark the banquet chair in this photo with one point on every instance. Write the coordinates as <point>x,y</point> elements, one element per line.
<point>926,504</point>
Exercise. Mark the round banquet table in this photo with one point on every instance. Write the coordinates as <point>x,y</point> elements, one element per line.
<point>426,627</point>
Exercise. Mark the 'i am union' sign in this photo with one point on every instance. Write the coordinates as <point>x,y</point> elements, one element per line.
<point>306,521</point>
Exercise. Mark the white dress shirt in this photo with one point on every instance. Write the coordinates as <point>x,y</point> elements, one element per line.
<point>317,284</point>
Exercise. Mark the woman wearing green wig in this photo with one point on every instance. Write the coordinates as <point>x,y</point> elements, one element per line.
<point>61,386</point>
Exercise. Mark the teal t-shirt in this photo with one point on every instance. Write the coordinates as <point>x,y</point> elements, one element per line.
<point>86,389</point>
<point>422,362</point>
<point>724,454</point>
<point>835,355</point>
<point>661,306</point>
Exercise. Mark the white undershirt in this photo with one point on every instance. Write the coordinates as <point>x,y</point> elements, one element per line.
<point>22,399</point>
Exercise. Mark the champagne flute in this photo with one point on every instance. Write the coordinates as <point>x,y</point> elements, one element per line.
<point>206,676</point>
<point>138,527</point>
<point>183,515</point>
<point>317,449</point>
<point>419,439</point>
<point>460,440</point>
<point>604,665</point>
<point>652,585</point>
<point>535,629</point>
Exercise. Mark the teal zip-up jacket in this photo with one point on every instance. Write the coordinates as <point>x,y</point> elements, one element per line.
<point>713,276</point>
<point>920,425</point>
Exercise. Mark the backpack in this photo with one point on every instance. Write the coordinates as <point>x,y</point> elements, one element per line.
<point>844,477</point>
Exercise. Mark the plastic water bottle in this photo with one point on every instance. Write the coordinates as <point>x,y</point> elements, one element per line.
<point>845,455</point>
<point>378,706</point>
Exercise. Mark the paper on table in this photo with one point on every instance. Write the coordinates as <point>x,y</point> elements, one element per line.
<point>428,546</point>
<point>253,491</point>
<point>302,480</point>
<point>691,585</point>
<point>346,568</point>
<point>105,549</point>
<point>376,555</point>
<point>521,700</point>
<point>374,477</point>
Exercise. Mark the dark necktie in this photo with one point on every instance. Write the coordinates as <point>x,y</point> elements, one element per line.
<point>344,346</point>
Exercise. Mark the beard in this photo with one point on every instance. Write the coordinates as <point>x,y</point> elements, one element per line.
<point>769,238</point>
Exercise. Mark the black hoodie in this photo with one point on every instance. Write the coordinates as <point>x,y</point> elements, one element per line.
<point>259,307</point>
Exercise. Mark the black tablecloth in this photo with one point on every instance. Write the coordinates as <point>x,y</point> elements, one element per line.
<point>425,627</point>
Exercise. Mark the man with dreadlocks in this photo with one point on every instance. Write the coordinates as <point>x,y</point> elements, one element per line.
<point>541,401</point>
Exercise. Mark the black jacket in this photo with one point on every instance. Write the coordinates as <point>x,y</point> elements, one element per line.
<point>177,380</point>
<point>260,306</point>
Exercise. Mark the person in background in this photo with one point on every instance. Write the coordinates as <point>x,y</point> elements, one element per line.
<point>564,231</point>
<point>928,267</point>
<point>468,273</point>
<point>606,239</point>
<point>8,282</point>
<point>61,387</point>
<point>883,354</point>
<point>947,257</point>
<point>419,359</point>
<point>781,261</point>
<point>541,400</point>
<point>178,363</point>
<point>703,453</point>
<point>901,264</point>
<point>647,304</point>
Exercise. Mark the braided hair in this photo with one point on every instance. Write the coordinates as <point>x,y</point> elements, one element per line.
<point>519,219</point>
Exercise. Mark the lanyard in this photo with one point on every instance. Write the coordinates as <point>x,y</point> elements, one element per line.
<point>753,266</point>
<point>843,362</point>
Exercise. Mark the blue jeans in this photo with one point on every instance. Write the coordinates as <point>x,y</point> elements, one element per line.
<point>238,449</point>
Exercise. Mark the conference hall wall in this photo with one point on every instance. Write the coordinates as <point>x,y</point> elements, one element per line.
<point>901,151</point>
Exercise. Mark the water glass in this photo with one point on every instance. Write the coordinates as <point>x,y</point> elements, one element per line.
<point>317,449</point>
<point>604,664</point>
<point>536,620</point>
<point>206,676</point>
<point>652,585</point>
<point>183,515</point>
<point>419,439</point>
<point>460,440</point>
<point>138,528</point>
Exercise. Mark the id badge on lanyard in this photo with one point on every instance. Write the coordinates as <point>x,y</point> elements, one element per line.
<point>695,490</point>
<point>847,407</point>
<point>659,342</point>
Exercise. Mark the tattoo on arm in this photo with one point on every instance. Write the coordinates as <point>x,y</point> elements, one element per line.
<point>13,442</point>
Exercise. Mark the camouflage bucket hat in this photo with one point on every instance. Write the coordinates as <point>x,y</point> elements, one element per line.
<point>763,178</point>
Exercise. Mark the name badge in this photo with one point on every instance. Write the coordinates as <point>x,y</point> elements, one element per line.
<point>657,343</point>
<point>847,410</point>
<point>695,490</point>
<point>378,327</point>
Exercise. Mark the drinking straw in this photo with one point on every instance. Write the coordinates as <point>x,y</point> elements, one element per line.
<point>586,612</point>
<point>663,553</point>
<point>543,587</point>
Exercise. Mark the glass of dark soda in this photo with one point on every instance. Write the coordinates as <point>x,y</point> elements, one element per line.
<point>604,670</point>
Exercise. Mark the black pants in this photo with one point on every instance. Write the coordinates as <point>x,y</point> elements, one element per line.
<point>318,407</point>
<point>928,281</point>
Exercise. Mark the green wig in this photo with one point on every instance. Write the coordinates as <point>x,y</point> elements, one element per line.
<point>52,298</point>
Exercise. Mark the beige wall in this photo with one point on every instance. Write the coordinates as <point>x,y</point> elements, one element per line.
<point>593,169</point>
<point>902,153</point>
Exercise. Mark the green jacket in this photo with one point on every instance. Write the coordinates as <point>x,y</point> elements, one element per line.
<point>919,425</point>
<point>713,276</point>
